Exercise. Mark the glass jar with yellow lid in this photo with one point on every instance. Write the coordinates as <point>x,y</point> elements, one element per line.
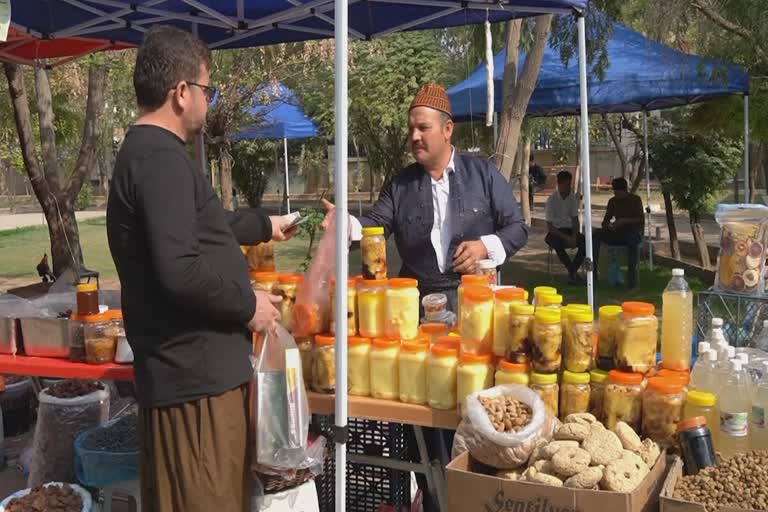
<point>623,399</point>
<point>384,369</point>
<point>636,345</point>
<point>663,403</point>
<point>413,372</point>
<point>324,359</point>
<point>519,333</point>
<point>545,385</point>
<point>512,373</point>
<point>401,313</point>
<point>286,287</point>
<point>547,341</point>
<point>574,393</point>
<point>466,280</point>
<point>503,326</point>
<point>475,373</point>
<point>477,320</point>
<point>542,290</point>
<point>442,365</point>
<point>608,330</point>
<point>434,330</point>
<point>702,403</point>
<point>371,307</point>
<point>578,342</point>
<point>373,252</point>
<point>550,300</point>
<point>597,381</point>
<point>359,357</point>
<point>351,306</point>
<point>264,281</point>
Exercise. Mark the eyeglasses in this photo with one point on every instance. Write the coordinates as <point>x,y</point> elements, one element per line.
<point>211,93</point>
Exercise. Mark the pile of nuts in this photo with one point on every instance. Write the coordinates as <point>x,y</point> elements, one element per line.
<point>48,499</point>
<point>507,415</point>
<point>74,388</point>
<point>739,482</point>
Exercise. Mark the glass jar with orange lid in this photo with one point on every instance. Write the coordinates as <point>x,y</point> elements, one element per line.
<point>351,306</point>
<point>264,281</point>
<point>546,341</point>
<point>512,373</point>
<point>100,340</point>
<point>359,357</point>
<point>477,320</point>
<point>442,365</point>
<point>574,393</point>
<point>324,364</point>
<point>663,407</point>
<point>623,399</point>
<point>683,377</point>
<point>503,327</point>
<point>608,331</point>
<point>286,288</point>
<point>545,385</point>
<point>401,314</point>
<point>542,290</point>
<point>450,341</point>
<point>384,369</point>
<point>371,307</point>
<point>87,298</point>
<point>467,280</point>
<point>434,330</point>
<point>412,364</point>
<point>475,373</point>
<point>306,351</point>
<point>597,382</point>
<point>373,249</point>
<point>637,342</point>
<point>578,341</point>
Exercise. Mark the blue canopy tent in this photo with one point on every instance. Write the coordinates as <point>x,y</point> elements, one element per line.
<point>281,118</point>
<point>243,23</point>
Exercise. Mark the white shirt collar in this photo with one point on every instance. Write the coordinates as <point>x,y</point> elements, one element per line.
<point>451,167</point>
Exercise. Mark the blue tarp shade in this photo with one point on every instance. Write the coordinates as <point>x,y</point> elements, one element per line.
<point>642,74</point>
<point>282,118</point>
<point>262,22</point>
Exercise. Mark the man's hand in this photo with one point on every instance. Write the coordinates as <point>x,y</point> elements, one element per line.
<point>279,223</point>
<point>467,255</point>
<point>329,209</point>
<point>266,315</point>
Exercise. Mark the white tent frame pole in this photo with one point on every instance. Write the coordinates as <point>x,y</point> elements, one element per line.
<point>287,185</point>
<point>341,15</point>
<point>746,149</point>
<point>648,190</point>
<point>586,179</point>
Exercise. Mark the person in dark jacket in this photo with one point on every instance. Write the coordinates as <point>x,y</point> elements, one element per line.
<point>187,301</point>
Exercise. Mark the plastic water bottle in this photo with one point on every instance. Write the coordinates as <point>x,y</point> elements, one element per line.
<point>702,348</point>
<point>760,413</point>
<point>676,323</point>
<point>761,342</point>
<point>716,333</point>
<point>735,409</point>
<point>705,375</point>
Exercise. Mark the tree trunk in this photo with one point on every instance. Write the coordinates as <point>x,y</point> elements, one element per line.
<point>674,244</point>
<point>511,64</point>
<point>225,178</point>
<point>617,144</point>
<point>698,238</point>
<point>635,185</point>
<point>522,168</point>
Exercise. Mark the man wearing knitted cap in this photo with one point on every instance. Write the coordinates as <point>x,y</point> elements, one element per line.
<point>446,211</point>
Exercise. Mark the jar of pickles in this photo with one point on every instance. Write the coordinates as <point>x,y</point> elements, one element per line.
<point>373,249</point>
<point>542,290</point>
<point>503,327</point>
<point>623,399</point>
<point>519,332</point>
<point>434,331</point>
<point>305,351</point>
<point>597,382</point>
<point>475,373</point>
<point>324,364</point>
<point>442,365</point>
<point>608,329</point>
<point>512,373</point>
<point>359,357</point>
<point>384,369</point>
<point>577,344</point>
<point>467,280</point>
<point>413,372</point>
<point>549,300</point>
<point>636,345</point>
<point>574,393</point>
<point>100,342</point>
<point>371,306</point>
<point>351,306</point>
<point>401,313</point>
<point>477,320</point>
<point>663,404</point>
<point>287,286</point>
<point>545,385</point>
<point>264,281</point>
<point>547,341</point>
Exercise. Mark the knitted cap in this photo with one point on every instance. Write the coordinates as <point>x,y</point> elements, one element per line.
<point>432,95</point>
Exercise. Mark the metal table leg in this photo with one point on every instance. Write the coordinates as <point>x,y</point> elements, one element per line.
<point>432,469</point>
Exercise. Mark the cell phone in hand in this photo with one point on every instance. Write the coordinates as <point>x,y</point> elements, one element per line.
<point>297,220</point>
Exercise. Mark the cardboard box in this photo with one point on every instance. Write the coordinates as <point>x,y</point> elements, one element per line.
<point>671,504</point>
<point>469,491</point>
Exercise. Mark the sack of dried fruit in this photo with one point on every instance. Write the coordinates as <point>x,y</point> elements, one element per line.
<point>741,261</point>
<point>502,426</point>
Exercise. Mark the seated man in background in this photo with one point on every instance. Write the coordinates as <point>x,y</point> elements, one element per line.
<point>562,214</point>
<point>626,210</point>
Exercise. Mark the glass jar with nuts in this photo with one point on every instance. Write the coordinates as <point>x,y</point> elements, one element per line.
<point>638,338</point>
<point>507,415</point>
<point>547,341</point>
<point>545,385</point>
<point>623,399</point>
<point>574,393</point>
<point>663,406</point>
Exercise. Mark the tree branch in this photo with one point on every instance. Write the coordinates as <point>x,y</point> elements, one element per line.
<point>705,8</point>
<point>47,128</point>
<point>616,143</point>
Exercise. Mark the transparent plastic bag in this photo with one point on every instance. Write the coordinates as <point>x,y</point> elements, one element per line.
<point>741,262</point>
<point>281,412</point>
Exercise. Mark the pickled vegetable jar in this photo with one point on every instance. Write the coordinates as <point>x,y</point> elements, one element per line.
<point>467,280</point>
<point>520,333</point>
<point>547,341</point>
<point>597,382</point>
<point>663,405</point>
<point>286,288</point>
<point>549,300</point>
<point>475,373</point>
<point>351,306</point>
<point>503,326</point>
<point>371,307</point>
<point>545,385</point>
<point>701,403</point>
<point>100,339</point>
<point>512,373</point>
<point>636,345</point>
<point>442,365</point>
<point>435,307</point>
<point>264,281</point>
<point>608,330</point>
<point>384,371</point>
<point>477,320</point>
<point>434,330</point>
<point>373,248</point>
<point>359,357</point>
<point>401,313</point>
<point>324,373</point>
<point>542,290</point>
<point>413,372</point>
<point>574,393</point>
<point>305,351</point>
<point>623,399</point>
<point>577,344</point>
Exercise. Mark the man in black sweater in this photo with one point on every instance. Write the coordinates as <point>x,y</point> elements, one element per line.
<point>188,305</point>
